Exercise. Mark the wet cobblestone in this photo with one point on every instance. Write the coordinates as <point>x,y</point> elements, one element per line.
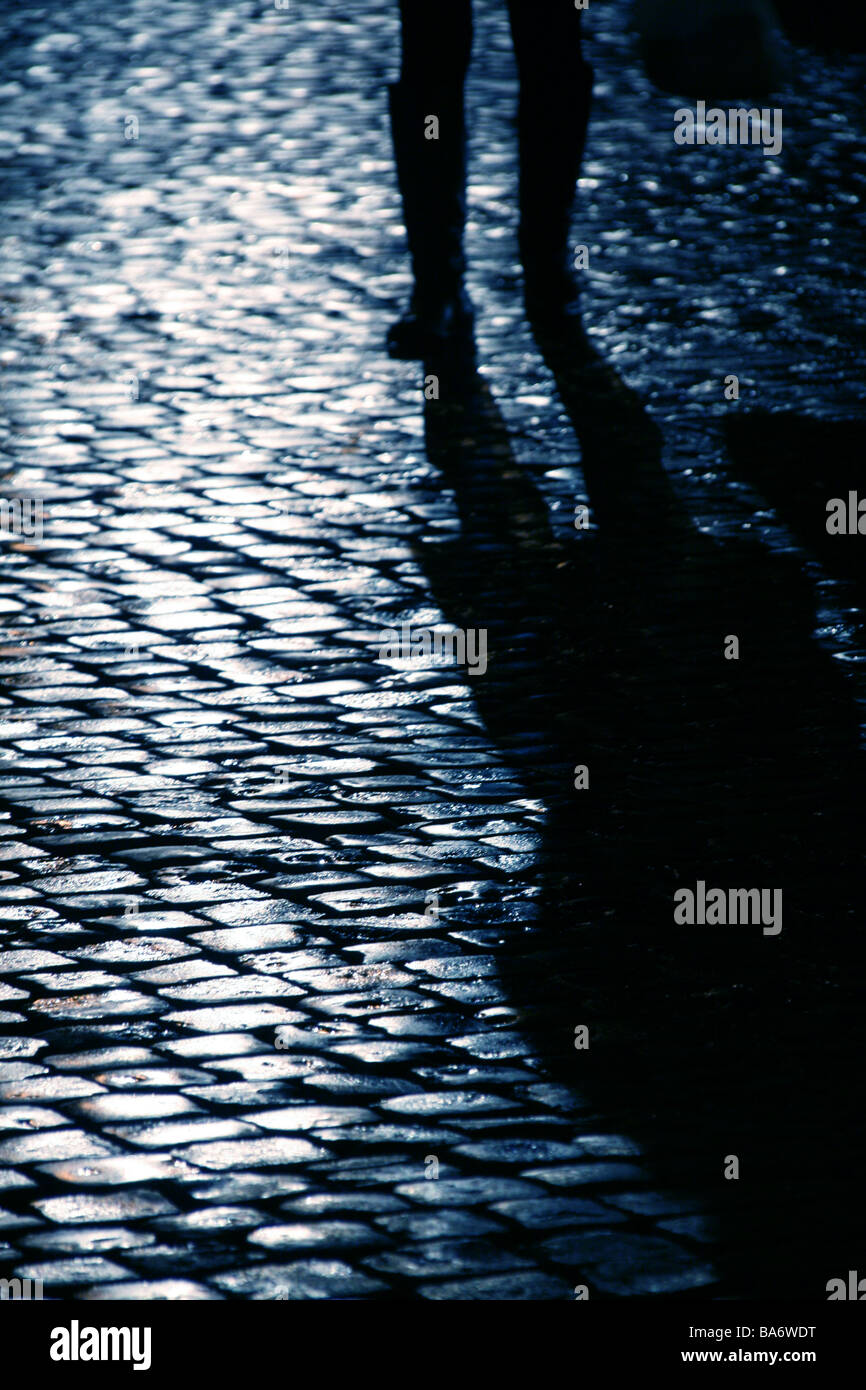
<point>237,1042</point>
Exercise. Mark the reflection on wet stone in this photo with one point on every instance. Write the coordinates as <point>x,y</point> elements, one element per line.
<point>257,883</point>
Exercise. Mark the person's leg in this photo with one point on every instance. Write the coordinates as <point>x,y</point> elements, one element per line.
<point>427,125</point>
<point>553,111</point>
<point>436,41</point>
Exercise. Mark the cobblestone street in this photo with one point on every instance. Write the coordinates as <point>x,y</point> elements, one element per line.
<point>276,911</point>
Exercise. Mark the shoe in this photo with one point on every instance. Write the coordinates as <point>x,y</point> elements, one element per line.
<point>551,293</point>
<point>428,328</point>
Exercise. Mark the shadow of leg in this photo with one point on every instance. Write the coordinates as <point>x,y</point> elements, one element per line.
<point>609,654</point>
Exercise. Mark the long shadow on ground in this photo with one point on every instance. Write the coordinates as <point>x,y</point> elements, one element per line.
<point>609,652</point>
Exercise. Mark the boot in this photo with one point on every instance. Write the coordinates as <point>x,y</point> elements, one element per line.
<point>432,178</point>
<point>551,135</point>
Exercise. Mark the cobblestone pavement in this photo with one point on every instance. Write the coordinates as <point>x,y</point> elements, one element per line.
<point>258,883</point>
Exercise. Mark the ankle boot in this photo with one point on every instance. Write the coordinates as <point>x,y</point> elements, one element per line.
<point>432,178</point>
<point>551,133</point>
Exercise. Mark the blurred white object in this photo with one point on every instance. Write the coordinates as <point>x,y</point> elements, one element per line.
<point>711,48</point>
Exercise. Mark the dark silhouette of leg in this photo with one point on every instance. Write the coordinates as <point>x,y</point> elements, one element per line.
<point>427,125</point>
<point>552,117</point>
